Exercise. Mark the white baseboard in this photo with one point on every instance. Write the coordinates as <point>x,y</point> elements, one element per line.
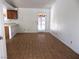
<point>64,43</point>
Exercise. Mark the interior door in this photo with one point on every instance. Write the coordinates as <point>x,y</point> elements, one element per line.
<point>3,54</point>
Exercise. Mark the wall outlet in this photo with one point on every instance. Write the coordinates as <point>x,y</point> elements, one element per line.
<point>71,42</point>
<point>24,29</point>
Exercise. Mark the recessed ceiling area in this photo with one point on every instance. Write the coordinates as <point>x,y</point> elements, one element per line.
<point>31,3</point>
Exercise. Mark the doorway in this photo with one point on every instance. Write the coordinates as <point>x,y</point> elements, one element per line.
<point>41,23</point>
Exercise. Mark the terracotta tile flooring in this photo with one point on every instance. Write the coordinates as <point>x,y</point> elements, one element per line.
<point>38,46</point>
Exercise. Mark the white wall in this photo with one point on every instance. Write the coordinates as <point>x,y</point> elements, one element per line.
<point>3,54</point>
<point>65,22</point>
<point>27,19</point>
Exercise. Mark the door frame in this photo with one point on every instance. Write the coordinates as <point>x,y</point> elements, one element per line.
<point>2,41</point>
<point>45,23</point>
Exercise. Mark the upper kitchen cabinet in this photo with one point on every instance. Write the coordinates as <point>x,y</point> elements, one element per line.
<point>12,14</point>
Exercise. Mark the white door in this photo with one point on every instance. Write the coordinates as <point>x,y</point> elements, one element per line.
<point>2,40</point>
<point>41,24</point>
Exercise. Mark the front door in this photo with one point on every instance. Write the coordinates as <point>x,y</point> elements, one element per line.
<point>41,24</point>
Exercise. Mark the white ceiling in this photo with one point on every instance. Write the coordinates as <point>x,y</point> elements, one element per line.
<point>31,3</point>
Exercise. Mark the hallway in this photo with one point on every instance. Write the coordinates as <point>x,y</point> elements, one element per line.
<point>38,46</point>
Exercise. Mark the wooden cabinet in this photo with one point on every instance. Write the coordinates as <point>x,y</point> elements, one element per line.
<point>6,32</point>
<point>12,14</point>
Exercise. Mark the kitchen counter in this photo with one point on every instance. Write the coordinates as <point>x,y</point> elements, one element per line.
<point>10,24</point>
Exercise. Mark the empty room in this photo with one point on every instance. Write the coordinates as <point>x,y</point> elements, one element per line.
<point>39,29</point>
